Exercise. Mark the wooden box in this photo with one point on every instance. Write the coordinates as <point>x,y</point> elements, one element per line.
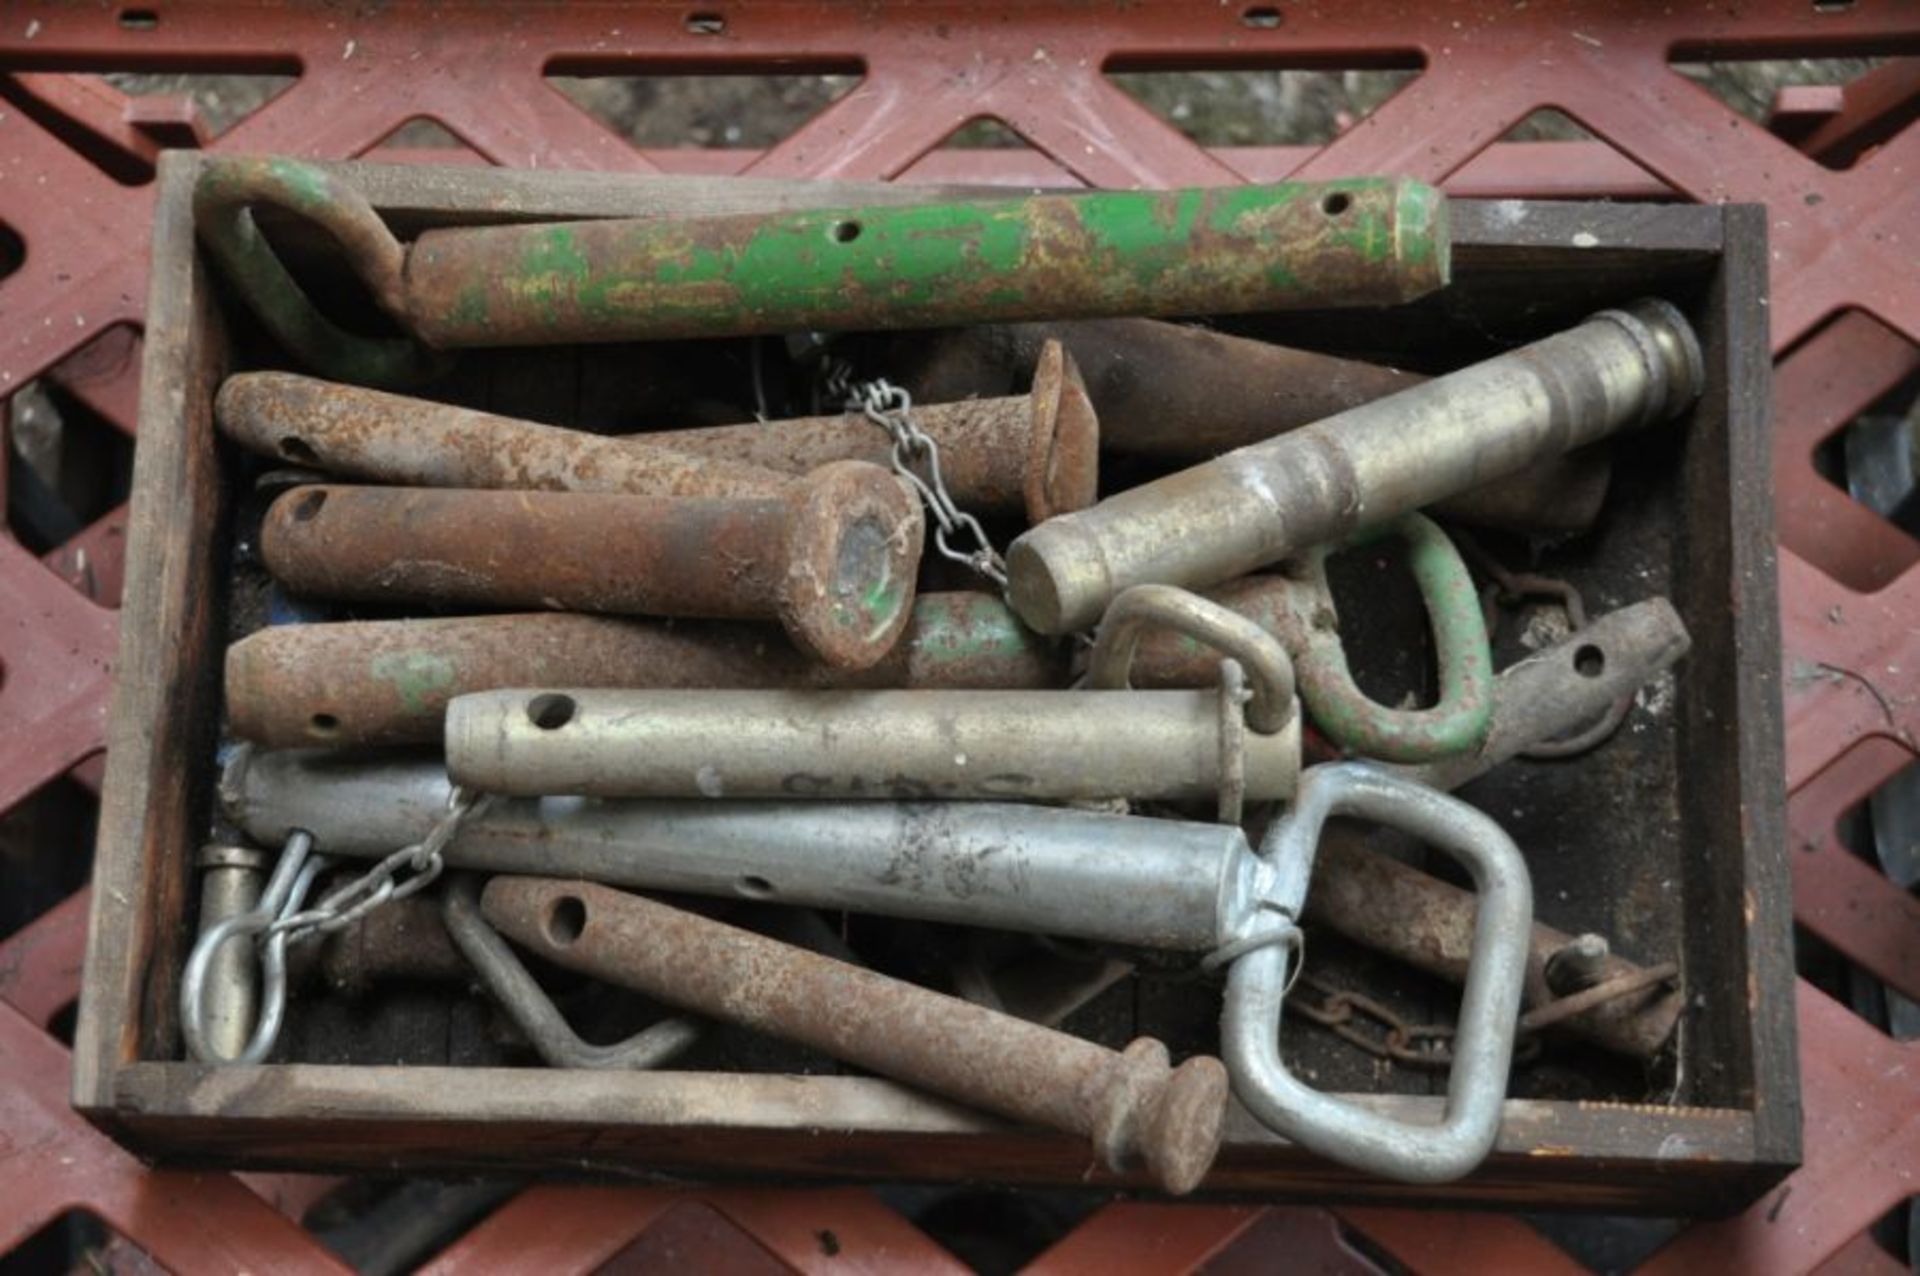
<point>1683,848</point>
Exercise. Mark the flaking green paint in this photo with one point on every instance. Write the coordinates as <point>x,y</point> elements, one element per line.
<point>1235,248</point>
<point>986,627</point>
<point>418,677</point>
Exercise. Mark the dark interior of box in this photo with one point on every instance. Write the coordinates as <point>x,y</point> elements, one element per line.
<point>1612,838</point>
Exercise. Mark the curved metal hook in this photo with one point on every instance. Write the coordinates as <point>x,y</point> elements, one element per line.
<point>532,1011</point>
<point>223,199</point>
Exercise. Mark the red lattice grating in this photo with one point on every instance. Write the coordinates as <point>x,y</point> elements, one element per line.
<point>1839,169</point>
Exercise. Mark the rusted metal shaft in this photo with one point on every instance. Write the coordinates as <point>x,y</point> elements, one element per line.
<point>1131,1103</point>
<point>389,438</point>
<point>1366,241</point>
<point>403,939</point>
<point>1186,395</point>
<point>381,682</point>
<point>1394,908</point>
<point>833,559</point>
<point>1362,468</point>
<point>1036,453</point>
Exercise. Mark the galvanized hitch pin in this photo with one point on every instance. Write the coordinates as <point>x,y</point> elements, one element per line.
<point>1365,241</point>
<point>1363,468</point>
<point>1131,1103</point>
<point>1259,978</point>
<point>1064,745</point>
<point>283,917</point>
<point>1211,392</point>
<point>1125,880</point>
<point>832,557</point>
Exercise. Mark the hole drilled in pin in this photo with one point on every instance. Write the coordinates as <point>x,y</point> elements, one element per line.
<point>706,24</point>
<point>845,232</point>
<point>295,448</point>
<point>138,20</point>
<point>1589,661</point>
<point>566,919</point>
<point>1336,203</point>
<point>1261,17</point>
<point>308,506</point>
<point>324,723</point>
<point>755,887</point>
<point>551,711</point>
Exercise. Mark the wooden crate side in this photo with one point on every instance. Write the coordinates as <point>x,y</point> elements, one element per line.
<point>718,1125</point>
<point>163,715</point>
<point>1757,806</point>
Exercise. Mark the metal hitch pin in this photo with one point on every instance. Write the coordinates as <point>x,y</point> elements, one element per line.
<point>833,557</point>
<point>1069,745</point>
<point>1357,242</point>
<point>1366,466</point>
<point>1131,1103</point>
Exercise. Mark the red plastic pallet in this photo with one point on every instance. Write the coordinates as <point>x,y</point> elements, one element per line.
<point>1840,174</point>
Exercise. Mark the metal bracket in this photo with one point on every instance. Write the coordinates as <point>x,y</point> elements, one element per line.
<point>1483,1046</point>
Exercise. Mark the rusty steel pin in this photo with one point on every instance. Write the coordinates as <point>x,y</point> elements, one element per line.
<point>1131,1103</point>
<point>1035,453</point>
<point>1185,394</point>
<point>832,558</point>
<point>377,682</point>
<point>389,438</point>
<point>1362,468</point>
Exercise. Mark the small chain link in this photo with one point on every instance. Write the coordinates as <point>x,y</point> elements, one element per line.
<point>916,459</point>
<point>384,883</point>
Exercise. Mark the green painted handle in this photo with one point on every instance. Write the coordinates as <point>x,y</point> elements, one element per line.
<point>1365,241</point>
<point>1459,721</point>
<point>223,198</point>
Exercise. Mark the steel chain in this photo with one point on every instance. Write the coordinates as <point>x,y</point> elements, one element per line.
<point>382,883</point>
<point>916,459</point>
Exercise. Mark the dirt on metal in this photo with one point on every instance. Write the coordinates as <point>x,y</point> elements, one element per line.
<point>388,682</point>
<point>1393,908</point>
<point>1364,241</point>
<point>833,559</point>
<point>1035,454</point>
<point>1131,1103</point>
<point>366,434</point>
<point>1184,394</point>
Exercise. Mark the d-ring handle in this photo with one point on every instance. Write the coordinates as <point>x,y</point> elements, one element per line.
<point>1459,721</point>
<point>223,199</point>
<point>1205,622</point>
<point>1489,1009</point>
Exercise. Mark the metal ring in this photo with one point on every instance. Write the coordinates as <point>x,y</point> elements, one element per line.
<point>1460,720</point>
<point>1260,654</point>
<point>1256,983</point>
<point>285,892</point>
<point>223,199</point>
